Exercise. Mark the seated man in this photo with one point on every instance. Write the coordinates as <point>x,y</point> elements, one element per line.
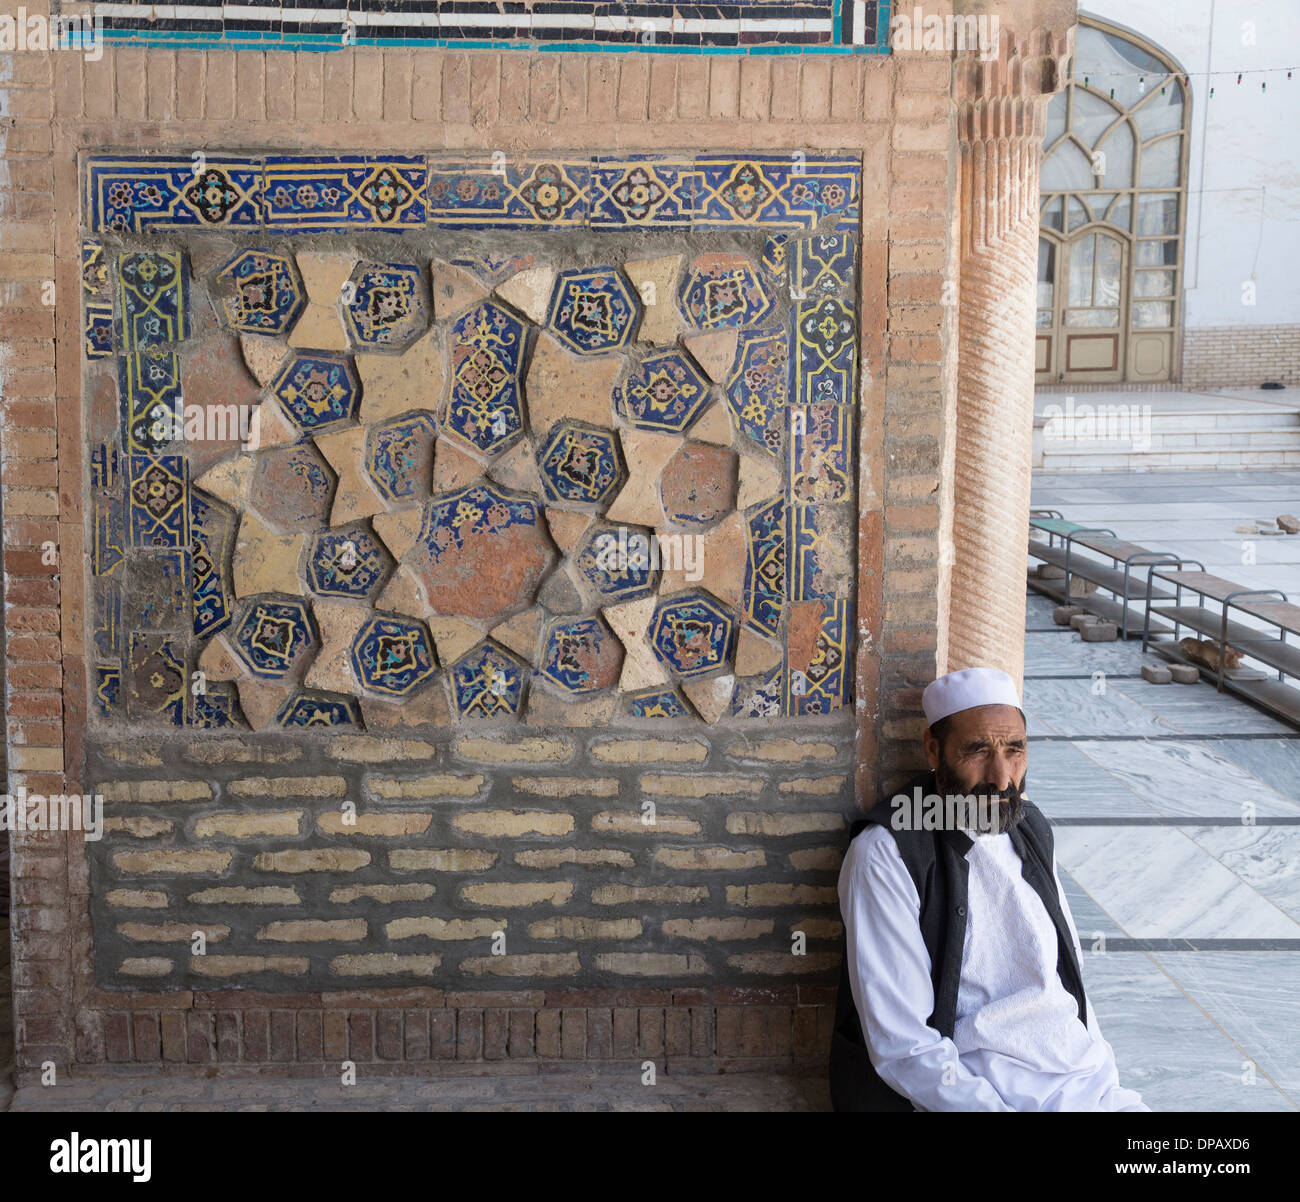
<point>962,987</point>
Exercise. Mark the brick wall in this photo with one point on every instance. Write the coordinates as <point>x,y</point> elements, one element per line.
<point>758,813</point>
<point>1240,356</point>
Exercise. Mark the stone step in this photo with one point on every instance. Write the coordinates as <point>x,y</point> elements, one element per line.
<point>1065,458</point>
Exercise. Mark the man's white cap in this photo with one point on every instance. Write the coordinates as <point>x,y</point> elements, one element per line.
<point>966,689</point>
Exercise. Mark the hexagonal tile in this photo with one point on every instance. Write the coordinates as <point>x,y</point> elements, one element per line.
<point>399,456</point>
<point>273,636</point>
<point>724,290</point>
<point>615,561</point>
<point>663,392</point>
<point>348,562</point>
<point>759,390</point>
<point>317,391</point>
<point>692,634</point>
<point>292,487</point>
<point>481,553</point>
<point>581,656</point>
<point>267,296</point>
<point>385,305</point>
<point>487,352</point>
<point>699,484</point>
<point>580,463</point>
<point>392,655</point>
<point>593,311</point>
<point>487,683</point>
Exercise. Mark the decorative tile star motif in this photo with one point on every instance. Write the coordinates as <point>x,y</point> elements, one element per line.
<point>593,311</point>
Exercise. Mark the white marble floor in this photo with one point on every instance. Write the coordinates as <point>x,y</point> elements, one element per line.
<point>1177,823</point>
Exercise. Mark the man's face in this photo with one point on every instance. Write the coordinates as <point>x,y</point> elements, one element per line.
<point>984,752</point>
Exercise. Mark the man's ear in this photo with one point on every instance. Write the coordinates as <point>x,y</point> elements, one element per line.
<point>931,748</point>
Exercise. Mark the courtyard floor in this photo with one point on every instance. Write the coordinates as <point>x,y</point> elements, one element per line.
<point>1190,920</point>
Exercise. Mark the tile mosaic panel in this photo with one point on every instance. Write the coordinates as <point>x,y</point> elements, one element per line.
<point>163,553</point>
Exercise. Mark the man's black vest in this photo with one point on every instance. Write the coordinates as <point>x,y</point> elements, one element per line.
<point>936,861</point>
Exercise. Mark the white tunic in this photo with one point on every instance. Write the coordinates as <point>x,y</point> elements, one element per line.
<point>1017,1043</point>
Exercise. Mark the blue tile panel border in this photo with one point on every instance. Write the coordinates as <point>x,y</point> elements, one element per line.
<point>739,27</point>
<point>363,193</point>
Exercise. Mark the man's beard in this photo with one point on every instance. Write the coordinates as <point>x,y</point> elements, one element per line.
<point>996,819</point>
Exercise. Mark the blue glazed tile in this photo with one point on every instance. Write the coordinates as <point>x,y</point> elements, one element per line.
<point>346,562</point>
<point>487,683</point>
<point>149,398</point>
<point>811,557</point>
<point>692,634</point>
<point>399,456</point>
<point>724,291</point>
<point>318,709</point>
<point>107,635</point>
<point>819,443</point>
<point>795,191</point>
<point>580,463</point>
<point>94,269</point>
<point>824,686</point>
<point>664,392</point>
<point>759,388</point>
<point>267,293</point>
<point>108,690</point>
<point>764,593</point>
<point>217,707</point>
<point>641,190</point>
<point>775,254</point>
<point>760,697</point>
<point>157,506</point>
<point>272,637</point>
<point>99,340</point>
<point>656,703</point>
<point>826,356</point>
<point>344,193</point>
<point>105,466</point>
<point>824,264</point>
<point>156,678</point>
<point>108,545</point>
<point>484,409</point>
<point>385,306</point>
<point>139,193</point>
<point>212,536</point>
<point>581,656</point>
<point>392,655</point>
<point>153,298</point>
<point>615,561</point>
<point>509,193</point>
<point>317,392</point>
<point>593,311</point>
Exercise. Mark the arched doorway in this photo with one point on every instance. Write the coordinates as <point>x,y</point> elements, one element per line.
<point>1113,201</point>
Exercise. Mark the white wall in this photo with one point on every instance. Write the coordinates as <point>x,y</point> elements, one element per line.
<point>1242,140</point>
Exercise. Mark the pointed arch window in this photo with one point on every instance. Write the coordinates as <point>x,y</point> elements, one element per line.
<point>1113,197</point>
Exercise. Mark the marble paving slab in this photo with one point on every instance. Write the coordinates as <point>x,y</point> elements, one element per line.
<point>1069,707</point>
<point>1090,920</point>
<point>1158,883</point>
<point>1189,778</point>
<point>1200,709</point>
<point>1065,783</point>
<point>1166,1047</point>
<point>1251,996</point>
<point>1276,762</point>
<point>1267,858</point>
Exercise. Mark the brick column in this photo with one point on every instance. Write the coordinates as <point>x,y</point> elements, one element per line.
<point>1000,127</point>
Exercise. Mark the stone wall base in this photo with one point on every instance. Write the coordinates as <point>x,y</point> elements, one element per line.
<point>401,1032</point>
